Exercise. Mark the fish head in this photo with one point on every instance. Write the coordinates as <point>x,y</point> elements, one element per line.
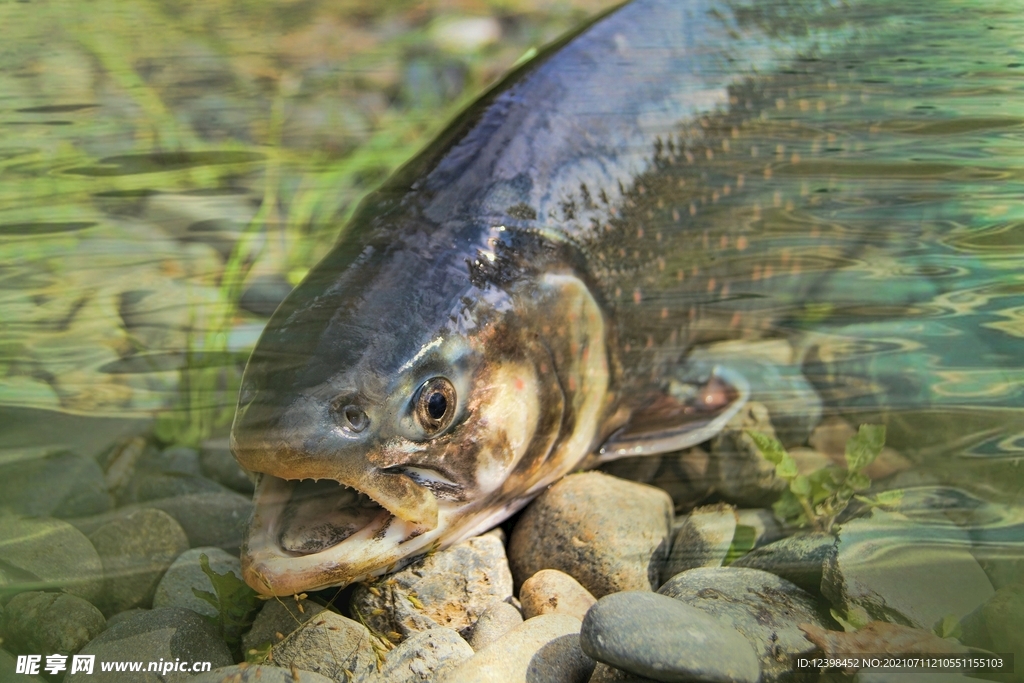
<point>388,412</point>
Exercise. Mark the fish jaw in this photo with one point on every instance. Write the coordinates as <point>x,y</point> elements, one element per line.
<point>330,511</point>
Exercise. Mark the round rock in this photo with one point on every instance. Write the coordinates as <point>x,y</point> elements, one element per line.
<point>53,623</point>
<point>550,591</point>
<point>655,636</point>
<point>136,551</point>
<point>607,533</point>
<point>258,674</point>
<point>798,559</point>
<point>61,484</point>
<point>701,539</point>
<point>763,608</point>
<point>279,616</point>
<point>330,645</point>
<point>425,656</point>
<point>449,589</point>
<point>209,519</point>
<point>904,572</point>
<point>169,633</point>
<point>48,553</point>
<point>545,649</point>
<point>498,619</point>
<point>185,574</point>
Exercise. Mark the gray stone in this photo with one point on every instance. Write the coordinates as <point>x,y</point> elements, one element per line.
<point>764,523</point>
<point>701,539</point>
<point>655,636</point>
<point>127,614</point>
<point>998,625</point>
<point>544,649</point>
<point>799,559</point>
<point>175,459</point>
<point>450,588</point>
<point>209,519</point>
<point>550,591</point>
<point>684,476</point>
<point>278,616</point>
<point>425,656</point>
<point>136,551</point>
<point>329,645</point>
<point>41,554</point>
<point>607,533</point>
<point>185,574</point>
<point>264,293</point>
<point>49,623</point>
<point>168,633</point>
<point>498,619</point>
<point>906,573</point>
<point>763,608</point>
<point>217,463</point>
<point>741,474</point>
<point>8,666</point>
<point>149,485</point>
<point>62,484</point>
<point>609,674</point>
<point>258,674</point>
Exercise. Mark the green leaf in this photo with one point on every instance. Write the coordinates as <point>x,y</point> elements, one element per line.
<point>858,481</point>
<point>769,446</point>
<point>801,486</point>
<point>743,540</point>
<point>854,619</point>
<point>862,449</point>
<point>786,469</point>
<point>788,509</point>
<point>948,627</point>
<point>885,499</point>
<point>235,602</point>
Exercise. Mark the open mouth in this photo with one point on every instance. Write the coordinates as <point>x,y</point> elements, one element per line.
<point>321,514</point>
<point>308,534</point>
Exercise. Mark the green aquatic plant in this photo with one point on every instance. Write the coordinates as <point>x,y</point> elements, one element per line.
<point>235,602</point>
<point>816,499</point>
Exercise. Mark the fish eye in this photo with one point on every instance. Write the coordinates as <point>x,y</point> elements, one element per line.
<point>435,404</point>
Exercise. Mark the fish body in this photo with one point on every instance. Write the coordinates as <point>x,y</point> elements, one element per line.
<point>517,302</point>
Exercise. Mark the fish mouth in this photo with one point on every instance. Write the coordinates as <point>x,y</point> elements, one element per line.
<point>308,534</point>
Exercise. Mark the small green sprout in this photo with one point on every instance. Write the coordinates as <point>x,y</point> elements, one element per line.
<point>817,499</point>
<point>235,602</point>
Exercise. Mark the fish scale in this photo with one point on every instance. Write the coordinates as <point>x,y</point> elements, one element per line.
<point>543,278</point>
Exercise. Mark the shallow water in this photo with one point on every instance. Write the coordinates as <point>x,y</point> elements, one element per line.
<point>143,179</point>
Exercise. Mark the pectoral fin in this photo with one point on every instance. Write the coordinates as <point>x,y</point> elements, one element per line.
<point>689,412</point>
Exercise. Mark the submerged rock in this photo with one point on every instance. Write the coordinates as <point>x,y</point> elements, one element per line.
<point>39,554</point>
<point>607,533</point>
<point>136,551</point>
<point>185,574</point>
<point>742,475</point>
<point>50,623</point>
<point>799,559</point>
<point>700,539</point>
<point>62,484</point>
<point>652,635</point>
<point>998,625</point>
<point>168,634</point>
<point>902,572</point>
